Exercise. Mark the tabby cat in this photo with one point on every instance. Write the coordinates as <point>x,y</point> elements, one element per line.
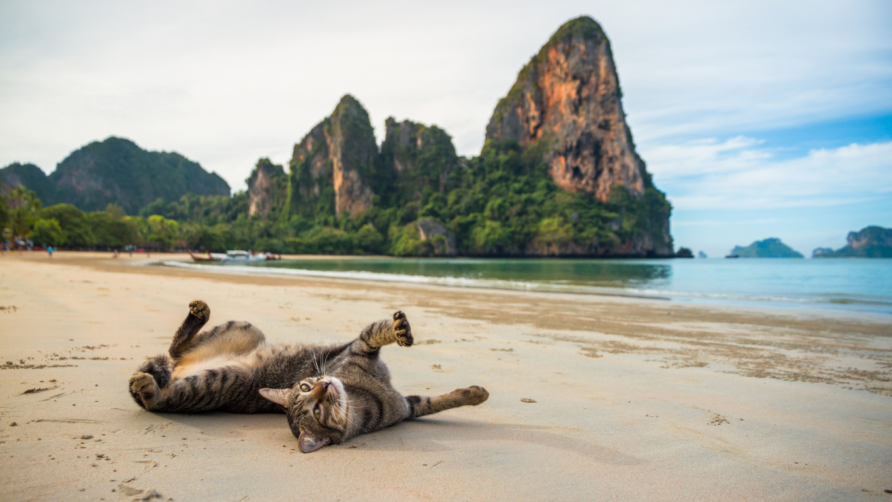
<point>329,393</point>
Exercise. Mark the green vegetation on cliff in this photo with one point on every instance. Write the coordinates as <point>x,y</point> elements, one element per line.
<point>500,203</point>
<point>116,171</point>
<point>30,177</point>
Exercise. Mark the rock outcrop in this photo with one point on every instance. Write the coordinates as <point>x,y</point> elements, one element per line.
<point>566,100</point>
<point>417,156</point>
<point>869,242</point>
<point>333,166</point>
<point>442,240</point>
<point>118,171</point>
<point>267,188</point>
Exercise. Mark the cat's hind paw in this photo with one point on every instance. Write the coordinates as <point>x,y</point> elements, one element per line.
<point>402,330</point>
<point>200,309</point>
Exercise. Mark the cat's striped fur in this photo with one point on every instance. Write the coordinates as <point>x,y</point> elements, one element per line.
<point>329,393</point>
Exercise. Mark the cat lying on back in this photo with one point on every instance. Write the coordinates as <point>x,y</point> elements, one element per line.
<point>329,393</point>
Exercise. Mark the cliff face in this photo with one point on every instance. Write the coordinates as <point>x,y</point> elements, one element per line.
<point>266,188</point>
<point>333,166</point>
<point>415,156</point>
<point>568,97</point>
<point>870,237</point>
<point>566,106</point>
<point>869,242</point>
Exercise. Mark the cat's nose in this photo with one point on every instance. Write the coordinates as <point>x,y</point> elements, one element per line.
<point>324,385</point>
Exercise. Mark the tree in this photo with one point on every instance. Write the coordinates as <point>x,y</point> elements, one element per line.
<point>47,232</point>
<point>73,222</point>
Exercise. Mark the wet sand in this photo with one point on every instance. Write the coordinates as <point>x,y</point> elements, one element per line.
<point>591,397</point>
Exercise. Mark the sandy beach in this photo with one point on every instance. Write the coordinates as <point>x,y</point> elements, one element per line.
<point>591,397</point>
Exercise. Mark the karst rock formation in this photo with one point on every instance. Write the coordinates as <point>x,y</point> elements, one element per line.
<point>568,97</point>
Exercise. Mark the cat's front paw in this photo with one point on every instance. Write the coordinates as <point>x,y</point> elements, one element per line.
<point>200,309</point>
<point>143,385</point>
<point>402,330</point>
<point>475,395</point>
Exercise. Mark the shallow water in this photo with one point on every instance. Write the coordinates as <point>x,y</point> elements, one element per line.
<point>856,285</point>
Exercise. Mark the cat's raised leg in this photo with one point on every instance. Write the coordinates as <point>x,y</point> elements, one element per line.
<point>420,406</point>
<point>199,314</point>
<point>376,335</point>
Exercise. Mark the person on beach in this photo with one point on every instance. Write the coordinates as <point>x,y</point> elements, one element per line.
<point>49,250</point>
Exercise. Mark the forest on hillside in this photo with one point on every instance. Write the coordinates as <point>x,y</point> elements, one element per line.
<point>494,204</point>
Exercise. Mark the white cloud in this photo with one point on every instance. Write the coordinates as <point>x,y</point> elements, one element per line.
<point>227,82</point>
<point>738,173</point>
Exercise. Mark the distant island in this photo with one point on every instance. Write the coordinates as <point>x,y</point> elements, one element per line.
<point>558,175</point>
<point>870,242</point>
<point>768,248</point>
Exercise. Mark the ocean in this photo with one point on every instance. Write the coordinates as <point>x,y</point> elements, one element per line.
<point>848,285</point>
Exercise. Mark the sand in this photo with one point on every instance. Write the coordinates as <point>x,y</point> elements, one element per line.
<point>591,397</point>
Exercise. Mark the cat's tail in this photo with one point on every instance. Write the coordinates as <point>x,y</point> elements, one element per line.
<point>420,406</point>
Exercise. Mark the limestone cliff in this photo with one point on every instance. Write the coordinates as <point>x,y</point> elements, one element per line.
<point>568,97</point>
<point>333,165</point>
<point>267,187</point>
<point>869,242</point>
<point>566,106</point>
<point>418,156</point>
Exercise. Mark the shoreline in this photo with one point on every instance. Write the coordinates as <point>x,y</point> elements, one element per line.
<point>766,302</point>
<point>632,396</point>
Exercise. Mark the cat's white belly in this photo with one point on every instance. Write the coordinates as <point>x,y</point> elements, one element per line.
<point>241,362</point>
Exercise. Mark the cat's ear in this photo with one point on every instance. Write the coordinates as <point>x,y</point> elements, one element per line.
<point>309,443</point>
<point>278,396</point>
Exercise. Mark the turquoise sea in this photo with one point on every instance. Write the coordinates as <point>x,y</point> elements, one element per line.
<point>853,285</point>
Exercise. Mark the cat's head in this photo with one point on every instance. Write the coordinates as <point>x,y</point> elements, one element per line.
<point>316,409</point>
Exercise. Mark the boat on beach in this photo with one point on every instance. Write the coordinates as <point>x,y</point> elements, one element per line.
<point>234,256</point>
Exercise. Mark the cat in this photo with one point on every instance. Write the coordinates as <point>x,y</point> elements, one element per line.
<point>330,393</point>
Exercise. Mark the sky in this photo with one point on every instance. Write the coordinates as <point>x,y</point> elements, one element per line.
<point>758,119</point>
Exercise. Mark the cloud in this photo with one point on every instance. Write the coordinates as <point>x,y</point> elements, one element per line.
<point>229,82</point>
<point>738,173</point>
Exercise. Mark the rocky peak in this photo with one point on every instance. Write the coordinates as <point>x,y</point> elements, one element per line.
<point>567,100</point>
<point>29,176</point>
<point>339,152</point>
<point>118,171</point>
<point>870,236</point>
<point>418,155</point>
<point>265,187</point>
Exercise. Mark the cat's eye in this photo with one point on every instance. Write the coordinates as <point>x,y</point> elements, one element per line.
<point>317,412</point>
<point>305,387</point>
